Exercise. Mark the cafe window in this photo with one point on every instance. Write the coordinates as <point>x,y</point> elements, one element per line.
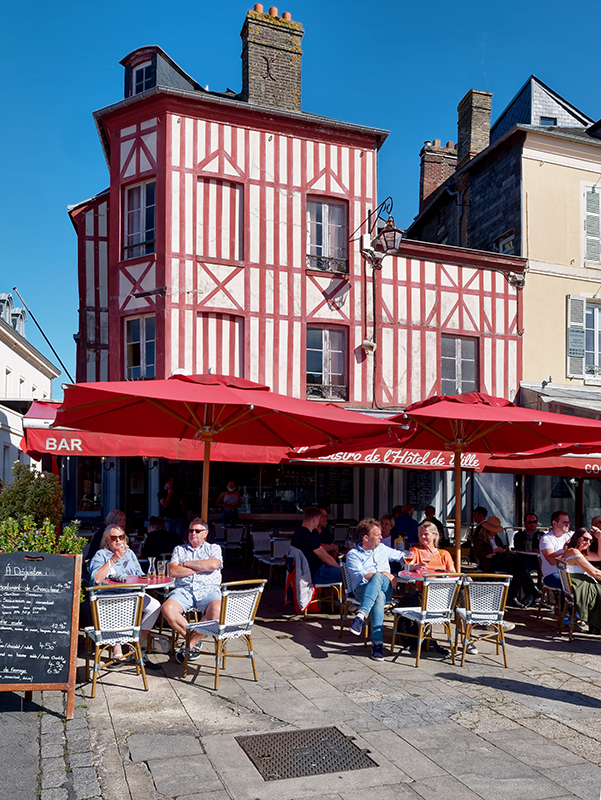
<point>140,348</point>
<point>89,484</point>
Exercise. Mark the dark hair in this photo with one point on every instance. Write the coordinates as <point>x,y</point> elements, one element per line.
<point>397,510</point>
<point>310,512</point>
<point>156,524</point>
<point>557,514</point>
<point>480,510</point>
<point>575,536</point>
<point>530,514</point>
<point>364,527</point>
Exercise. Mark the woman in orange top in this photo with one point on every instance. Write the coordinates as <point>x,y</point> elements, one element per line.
<point>426,554</point>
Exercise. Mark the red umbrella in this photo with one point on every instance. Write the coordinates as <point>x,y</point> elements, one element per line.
<point>209,408</point>
<point>485,426</point>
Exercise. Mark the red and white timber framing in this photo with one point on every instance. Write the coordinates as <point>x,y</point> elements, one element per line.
<point>230,287</point>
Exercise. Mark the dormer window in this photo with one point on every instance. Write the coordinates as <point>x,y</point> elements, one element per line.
<point>143,78</point>
<point>550,122</point>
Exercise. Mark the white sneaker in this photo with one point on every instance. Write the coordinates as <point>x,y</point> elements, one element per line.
<point>471,649</point>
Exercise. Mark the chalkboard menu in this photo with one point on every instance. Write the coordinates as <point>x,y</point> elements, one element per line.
<point>340,484</point>
<point>419,487</point>
<point>39,614</point>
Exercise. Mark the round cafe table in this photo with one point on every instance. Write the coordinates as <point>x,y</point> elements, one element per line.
<point>142,580</point>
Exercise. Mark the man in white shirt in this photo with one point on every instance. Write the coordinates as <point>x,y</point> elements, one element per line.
<point>371,581</point>
<point>551,545</point>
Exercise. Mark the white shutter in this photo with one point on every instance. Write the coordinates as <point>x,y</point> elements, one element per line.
<point>576,314</point>
<point>593,226</point>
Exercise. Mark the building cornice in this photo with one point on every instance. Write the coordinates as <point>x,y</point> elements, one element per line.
<point>461,256</point>
<point>27,351</point>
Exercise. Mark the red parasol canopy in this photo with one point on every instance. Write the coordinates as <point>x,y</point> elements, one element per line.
<point>209,408</point>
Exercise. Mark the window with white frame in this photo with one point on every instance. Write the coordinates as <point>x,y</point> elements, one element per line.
<point>143,78</point>
<point>458,365</point>
<point>327,235</point>
<point>139,220</point>
<point>140,347</point>
<point>592,224</point>
<point>327,360</point>
<point>506,244</point>
<point>583,338</point>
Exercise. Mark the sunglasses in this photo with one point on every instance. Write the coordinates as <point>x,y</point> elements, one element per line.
<point>196,530</point>
<point>116,538</point>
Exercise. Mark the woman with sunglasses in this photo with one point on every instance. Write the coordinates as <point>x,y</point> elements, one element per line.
<point>585,577</point>
<point>116,558</point>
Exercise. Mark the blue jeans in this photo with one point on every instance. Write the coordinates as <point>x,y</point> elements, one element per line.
<point>372,596</point>
<point>552,580</point>
<point>327,574</point>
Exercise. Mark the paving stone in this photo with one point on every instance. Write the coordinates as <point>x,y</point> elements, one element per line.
<point>81,745</point>
<point>50,723</point>
<point>76,724</point>
<point>83,774</point>
<point>53,780</point>
<point>52,750</point>
<point>53,764</point>
<point>144,747</point>
<point>443,787</point>
<point>86,789</point>
<point>54,794</point>
<point>85,759</point>
<point>221,794</point>
<point>176,776</point>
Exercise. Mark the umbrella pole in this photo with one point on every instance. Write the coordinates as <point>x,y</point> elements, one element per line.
<point>205,482</point>
<point>457,465</point>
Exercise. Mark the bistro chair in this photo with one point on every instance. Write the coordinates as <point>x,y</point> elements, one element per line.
<point>485,597</point>
<point>239,603</point>
<point>341,534</point>
<point>279,549</point>
<point>351,603</point>
<point>439,596</point>
<point>116,618</point>
<point>548,596</point>
<point>569,599</point>
<point>261,544</point>
<point>233,538</point>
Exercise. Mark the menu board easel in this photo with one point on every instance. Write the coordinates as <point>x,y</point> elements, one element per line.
<point>39,623</point>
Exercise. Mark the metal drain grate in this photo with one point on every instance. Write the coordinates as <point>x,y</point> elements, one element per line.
<point>297,754</point>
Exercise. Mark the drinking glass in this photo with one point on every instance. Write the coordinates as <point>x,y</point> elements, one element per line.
<point>162,565</point>
<point>152,573</point>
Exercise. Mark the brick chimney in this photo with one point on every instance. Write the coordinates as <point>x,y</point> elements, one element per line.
<point>271,59</point>
<point>436,165</point>
<point>473,125</point>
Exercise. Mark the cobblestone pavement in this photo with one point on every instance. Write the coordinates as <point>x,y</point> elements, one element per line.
<point>482,731</point>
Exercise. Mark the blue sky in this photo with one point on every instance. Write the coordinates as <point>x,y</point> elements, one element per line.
<point>402,66</point>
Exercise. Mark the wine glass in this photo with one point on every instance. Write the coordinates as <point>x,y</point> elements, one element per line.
<point>152,573</point>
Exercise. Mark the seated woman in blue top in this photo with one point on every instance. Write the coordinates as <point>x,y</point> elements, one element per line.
<point>115,558</point>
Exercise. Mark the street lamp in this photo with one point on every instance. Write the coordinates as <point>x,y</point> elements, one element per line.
<point>373,249</point>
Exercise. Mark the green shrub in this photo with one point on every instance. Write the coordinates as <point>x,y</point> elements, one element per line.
<point>24,535</point>
<point>32,494</point>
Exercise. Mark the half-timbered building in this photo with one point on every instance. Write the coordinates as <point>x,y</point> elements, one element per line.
<point>228,242</point>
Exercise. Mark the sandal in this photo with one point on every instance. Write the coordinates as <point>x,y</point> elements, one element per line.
<point>194,653</point>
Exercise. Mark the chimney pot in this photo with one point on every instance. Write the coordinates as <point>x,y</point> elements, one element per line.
<point>449,145</point>
<point>436,142</point>
<point>287,15</point>
<point>258,7</point>
<point>271,61</point>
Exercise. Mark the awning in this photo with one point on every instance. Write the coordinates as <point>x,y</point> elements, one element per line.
<point>39,438</point>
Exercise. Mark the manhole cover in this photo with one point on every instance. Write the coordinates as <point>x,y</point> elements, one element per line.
<point>296,754</point>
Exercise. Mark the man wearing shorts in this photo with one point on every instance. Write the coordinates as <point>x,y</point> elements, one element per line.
<point>196,567</point>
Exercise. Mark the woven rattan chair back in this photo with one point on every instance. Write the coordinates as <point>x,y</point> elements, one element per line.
<point>261,541</point>
<point>117,617</point>
<point>439,595</point>
<point>234,535</point>
<point>485,599</point>
<point>280,548</point>
<point>341,533</point>
<point>239,603</point>
<point>569,598</point>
